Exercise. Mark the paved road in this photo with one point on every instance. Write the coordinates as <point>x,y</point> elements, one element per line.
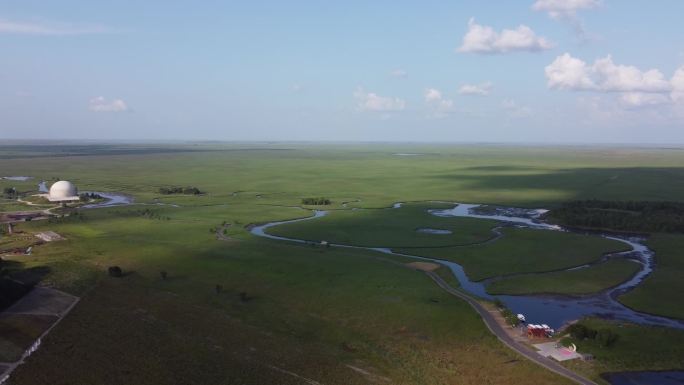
<point>501,334</point>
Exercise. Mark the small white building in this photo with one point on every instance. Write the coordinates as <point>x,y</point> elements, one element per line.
<point>63,191</point>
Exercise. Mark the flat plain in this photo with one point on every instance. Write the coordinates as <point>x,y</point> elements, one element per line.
<point>287,312</point>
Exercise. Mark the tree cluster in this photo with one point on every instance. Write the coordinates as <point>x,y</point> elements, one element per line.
<point>189,190</point>
<point>10,193</point>
<point>604,337</point>
<point>320,201</point>
<point>638,216</point>
<point>84,197</point>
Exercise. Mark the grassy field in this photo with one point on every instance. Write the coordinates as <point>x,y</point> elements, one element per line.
<point>333,316</point>
<point>637,348</point>
<point>661,292</point>
<point>508,175</point>
<point>333,307</point>
<point>575,282</point>
<point>394,228</point>
<point>524,251</point>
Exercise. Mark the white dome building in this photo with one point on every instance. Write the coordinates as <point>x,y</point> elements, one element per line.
<point>63,191</point>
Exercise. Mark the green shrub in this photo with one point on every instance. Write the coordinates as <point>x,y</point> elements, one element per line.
<point>605,337</point>
<point>115,271</point>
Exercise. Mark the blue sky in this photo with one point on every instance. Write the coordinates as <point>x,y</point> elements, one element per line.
<point>560,71</point>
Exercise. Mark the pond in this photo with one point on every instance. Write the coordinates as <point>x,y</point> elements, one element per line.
<point>645,378</point>
<point>425,230</point>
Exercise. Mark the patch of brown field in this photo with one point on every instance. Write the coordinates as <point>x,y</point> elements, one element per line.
<point>423,266</point>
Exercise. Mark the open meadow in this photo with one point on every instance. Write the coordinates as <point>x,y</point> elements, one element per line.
<point>203,300</point>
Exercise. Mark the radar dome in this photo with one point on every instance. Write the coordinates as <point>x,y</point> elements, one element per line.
<point>63,190</point>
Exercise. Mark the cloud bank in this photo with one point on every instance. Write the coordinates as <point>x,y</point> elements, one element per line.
<point>637,87</point>
<point>482,39</point>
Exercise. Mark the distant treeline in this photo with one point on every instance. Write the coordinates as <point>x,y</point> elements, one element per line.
<point>316,201</point>
<point>639,216</point>
<point>190,190</point>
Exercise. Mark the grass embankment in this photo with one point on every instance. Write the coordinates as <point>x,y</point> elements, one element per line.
<point>525,251</point>
<point>310,310</point>
<point>661,292</point>
<point>637,348</point>
<point>574,282</point>
<point>389,228</point>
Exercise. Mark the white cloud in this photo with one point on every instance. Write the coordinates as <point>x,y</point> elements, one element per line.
<point>642,99</point>
<point>399,73</point>
<point>564,9</point>
<point>612,77</point>
<point>485,40</point>
<point>48,28</point>
<point>634,88</point>
<point>515,110</point>
<point>569,73</point>
<point>482,89</point>
<point>369,101</point>
<point>677,82</point>
<point>439,106</point>
<point>100,104</point>
<point>432,95</point>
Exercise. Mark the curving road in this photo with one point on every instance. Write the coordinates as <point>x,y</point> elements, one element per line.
<point>501,334</point>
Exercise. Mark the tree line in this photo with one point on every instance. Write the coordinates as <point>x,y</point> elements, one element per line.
<point>638,216</point>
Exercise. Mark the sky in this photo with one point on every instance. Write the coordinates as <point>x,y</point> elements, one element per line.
<point>532,71</point>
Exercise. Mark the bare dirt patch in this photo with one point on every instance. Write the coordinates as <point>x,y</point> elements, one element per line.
<point>423,266</point>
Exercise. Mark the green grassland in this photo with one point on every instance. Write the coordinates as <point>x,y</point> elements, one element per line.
<point>588,280</point>
<point>333,307</point>
<point>637,348</point>
<point>524,251</point>
<point>507,175</point>
<point>312,311</point>
<point>662,290</point>
<point>389,228</point>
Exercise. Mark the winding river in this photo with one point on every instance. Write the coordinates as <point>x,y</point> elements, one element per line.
<point>554,310</point>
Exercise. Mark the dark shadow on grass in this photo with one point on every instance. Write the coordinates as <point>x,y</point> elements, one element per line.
<point>16,281</point>
<point>631,183</point>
